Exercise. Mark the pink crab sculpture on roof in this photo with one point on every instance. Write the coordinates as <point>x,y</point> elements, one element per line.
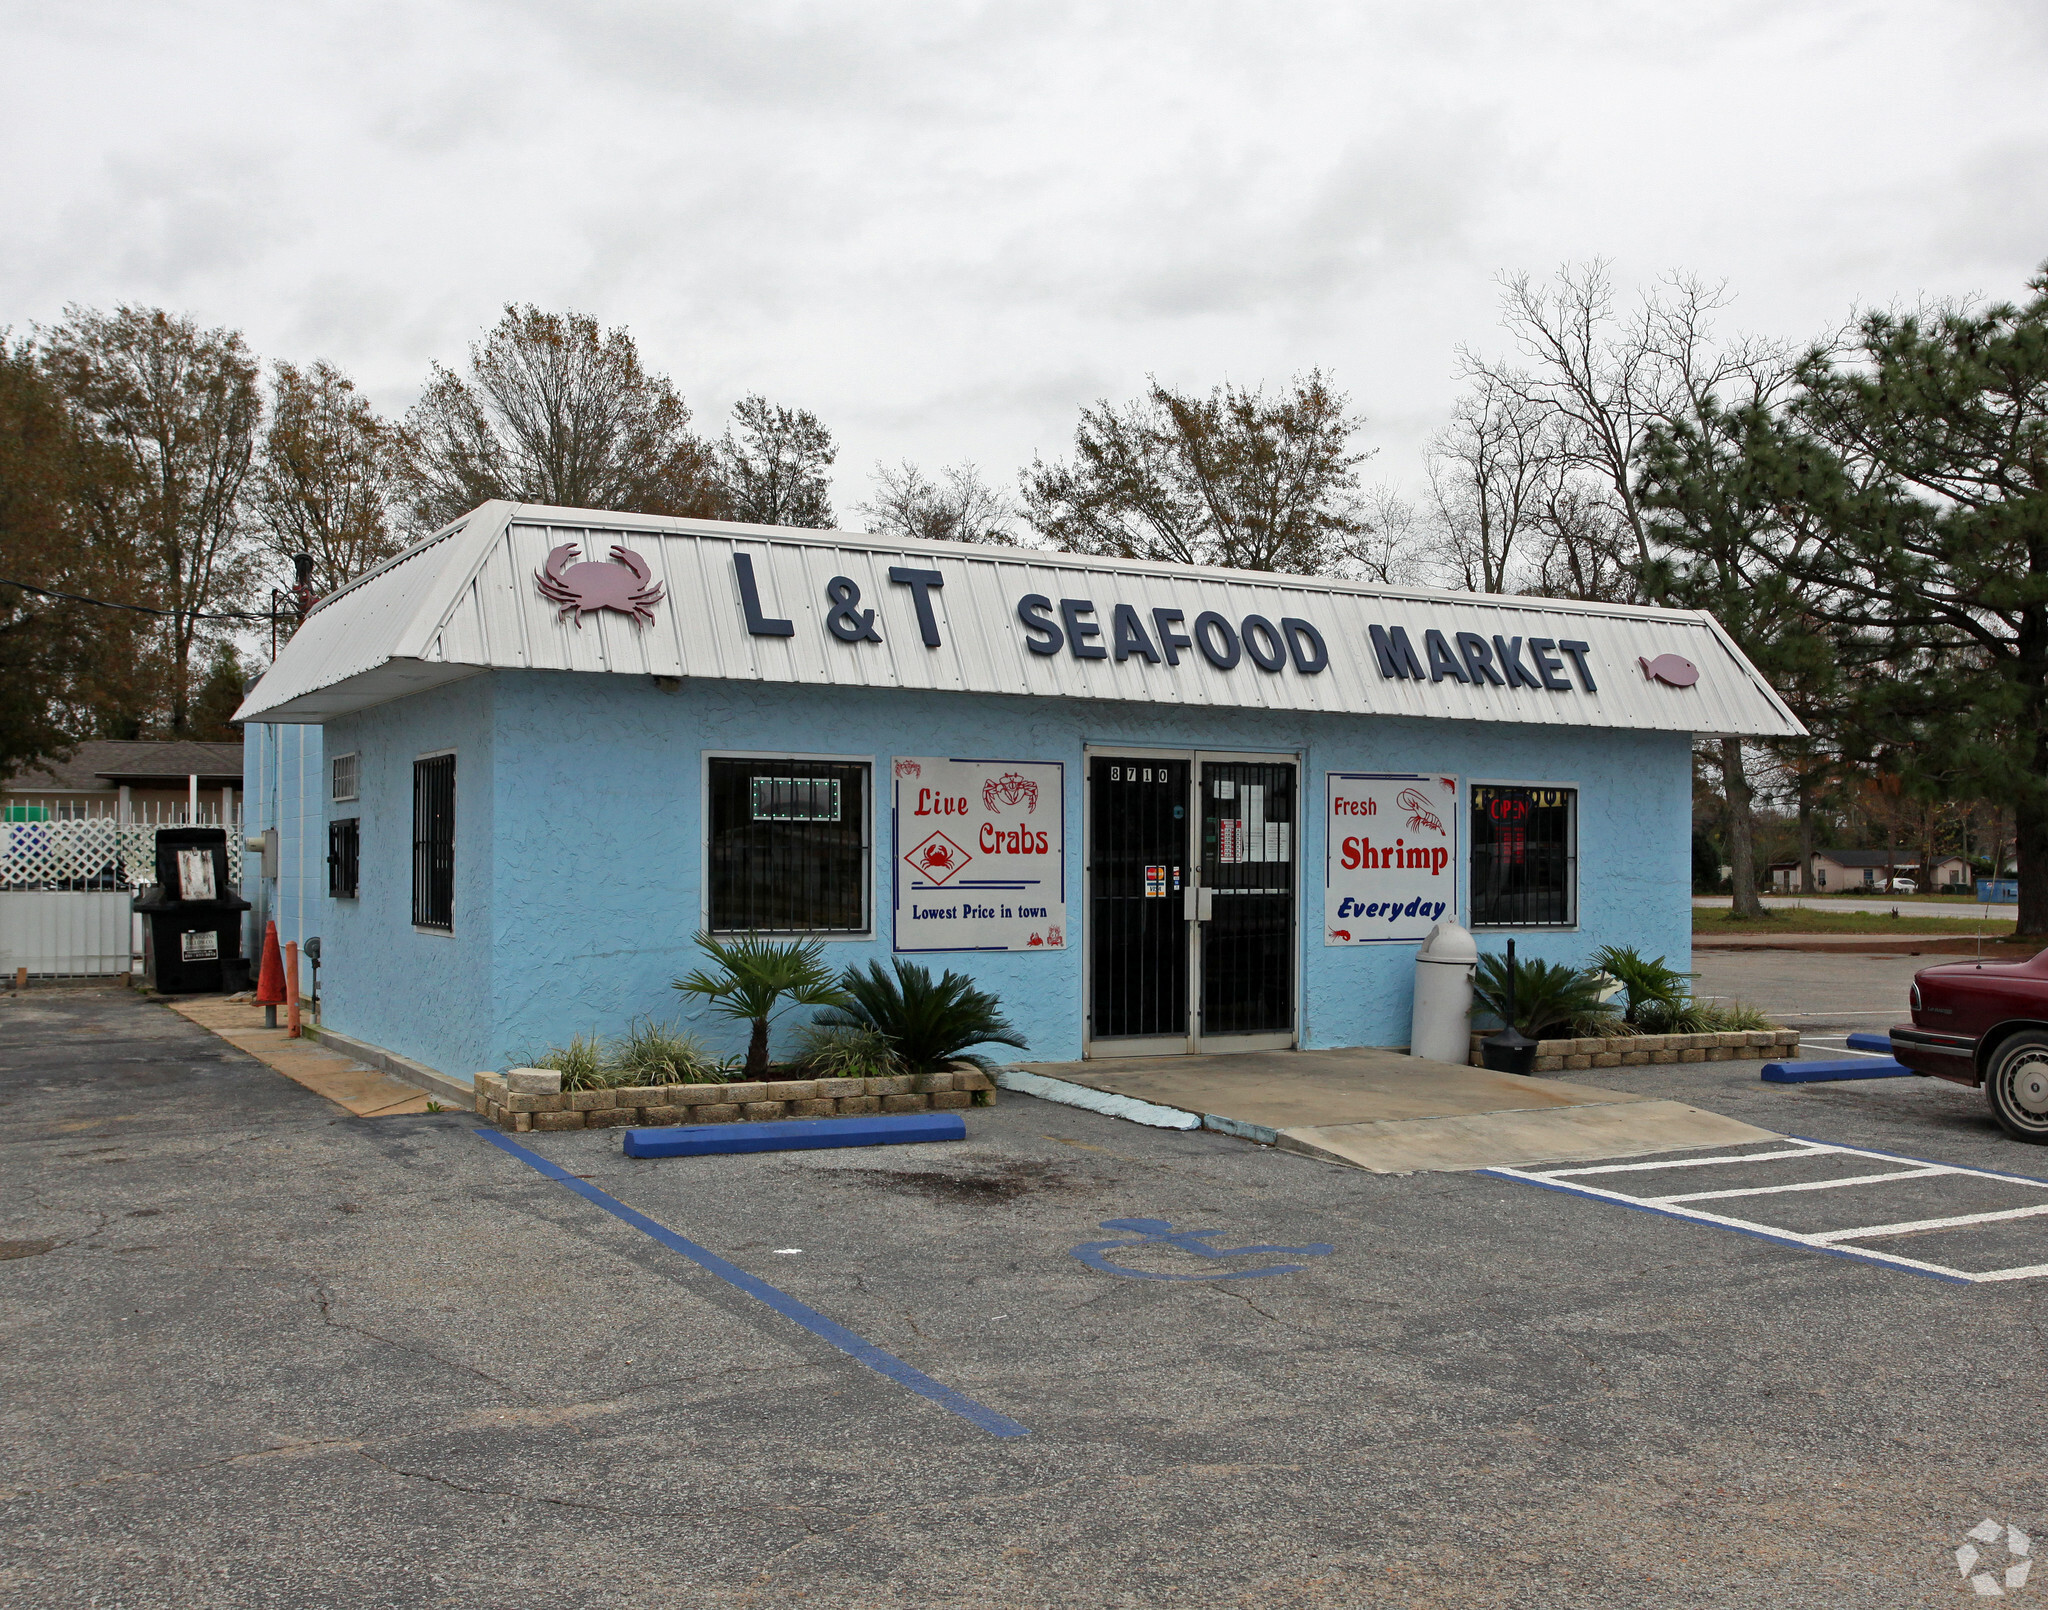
<point>586,588</point>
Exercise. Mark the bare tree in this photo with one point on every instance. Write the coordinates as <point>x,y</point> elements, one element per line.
<point>1487,479</point>
<point>958,507</point>
<point>776,469</point>
<point>326,475</point>
<point>179,406</point>
<point>1607,377</point>
<point>557,411</point>
<point>1231,479</point>
<point>1390,549</point>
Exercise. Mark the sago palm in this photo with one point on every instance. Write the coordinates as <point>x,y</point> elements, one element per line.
<point>755,978</point>
<point>931,1024</point>
<point>1546,993</point>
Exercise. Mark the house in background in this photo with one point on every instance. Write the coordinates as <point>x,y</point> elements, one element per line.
<point>130,780</point>
<point>1837,870</point>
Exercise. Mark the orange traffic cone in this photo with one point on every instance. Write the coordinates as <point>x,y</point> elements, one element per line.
<point>270,980</point>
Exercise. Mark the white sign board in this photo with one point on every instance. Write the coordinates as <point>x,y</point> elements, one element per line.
<point>980,854</point>
<point>1391,853</point>
<point>195,875</point>
<point>199,947</point>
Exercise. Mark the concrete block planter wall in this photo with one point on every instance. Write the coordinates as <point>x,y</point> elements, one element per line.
<point>517,1102</point>
<point>1636,1050</point>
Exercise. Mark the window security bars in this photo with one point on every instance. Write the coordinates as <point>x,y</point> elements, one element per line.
<point>433,842</point>
<point>347,770</point>
<point>1525,868</point>
<point>788,846</point>
<point>344,854</point>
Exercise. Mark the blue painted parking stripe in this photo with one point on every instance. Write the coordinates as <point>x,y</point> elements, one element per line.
<point>1739,1229</point>
<point>854,1347</point>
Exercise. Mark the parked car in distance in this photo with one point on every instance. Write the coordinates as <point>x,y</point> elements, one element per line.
<point>1985,1023</point>
<point>1904,886</point>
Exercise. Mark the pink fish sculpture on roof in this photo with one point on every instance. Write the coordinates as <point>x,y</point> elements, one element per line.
<point>1674,670</point>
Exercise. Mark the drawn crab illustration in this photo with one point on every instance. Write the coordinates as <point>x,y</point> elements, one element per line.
<point>586,588</point>
<point>1420,815</point>
<point>1010,788</point>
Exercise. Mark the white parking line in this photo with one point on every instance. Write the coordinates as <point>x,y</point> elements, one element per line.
<point>1803,1185</point>
<point>1838,1243</point>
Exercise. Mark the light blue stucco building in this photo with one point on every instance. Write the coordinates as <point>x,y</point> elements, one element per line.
<point>1155,810</point>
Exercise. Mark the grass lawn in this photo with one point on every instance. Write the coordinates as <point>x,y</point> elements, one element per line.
<point>1808,920</point>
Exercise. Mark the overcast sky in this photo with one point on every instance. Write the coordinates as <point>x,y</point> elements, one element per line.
<point>944,228</point>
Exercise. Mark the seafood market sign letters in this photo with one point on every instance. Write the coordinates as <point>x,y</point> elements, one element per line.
<point>1116,630</point>
<point>980,854</point>
<point>1391,843</point>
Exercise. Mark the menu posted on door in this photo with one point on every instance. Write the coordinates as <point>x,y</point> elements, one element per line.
<point>981,854</point>
<point>1391,849</point>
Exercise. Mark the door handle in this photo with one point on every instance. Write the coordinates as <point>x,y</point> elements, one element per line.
<point>1205,904</point>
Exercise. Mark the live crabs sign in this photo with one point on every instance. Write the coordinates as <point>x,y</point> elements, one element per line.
<point>980,854</point>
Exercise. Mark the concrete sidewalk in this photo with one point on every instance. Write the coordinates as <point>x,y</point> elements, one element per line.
<point>1395,1114</point>
<point>366,1092</point>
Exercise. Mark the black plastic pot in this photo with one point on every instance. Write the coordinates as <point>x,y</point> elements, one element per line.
<point>1510,1051</point>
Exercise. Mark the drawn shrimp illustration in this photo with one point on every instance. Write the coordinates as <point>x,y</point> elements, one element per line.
<point>1420,815</point>
<point>586,588</point>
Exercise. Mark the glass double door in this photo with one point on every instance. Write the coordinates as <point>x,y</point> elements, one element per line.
<point>1191,902</point>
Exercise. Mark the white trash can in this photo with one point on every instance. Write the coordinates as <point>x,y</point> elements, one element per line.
<point>1441,1028</point>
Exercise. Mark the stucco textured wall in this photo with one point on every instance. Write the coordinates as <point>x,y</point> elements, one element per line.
<point>424,995</point>
<point>580,847</point>
<point>284,786</point>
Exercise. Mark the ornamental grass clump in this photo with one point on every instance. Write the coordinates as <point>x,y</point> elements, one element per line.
<point>846,1051</point>
<point>660,1054</point>
<point>930,1025</point>
<point>581,1063</point>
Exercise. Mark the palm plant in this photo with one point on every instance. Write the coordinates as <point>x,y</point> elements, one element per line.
<point>755,978</point>
<point>1649,985</point>
<point>1546,994</point>
<point>931,1024</point>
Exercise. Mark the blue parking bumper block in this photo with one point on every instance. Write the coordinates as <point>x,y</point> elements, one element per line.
<point>795,1134</point>
<point>1880,1043</point>
<point>1807,1073</point>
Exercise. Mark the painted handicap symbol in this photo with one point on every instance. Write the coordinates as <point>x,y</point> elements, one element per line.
<point>1161,1233</point>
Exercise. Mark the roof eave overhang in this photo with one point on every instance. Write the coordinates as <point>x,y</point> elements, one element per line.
<point>394,679</point>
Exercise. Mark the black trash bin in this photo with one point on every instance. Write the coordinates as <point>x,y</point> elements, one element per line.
<point>192,916</point>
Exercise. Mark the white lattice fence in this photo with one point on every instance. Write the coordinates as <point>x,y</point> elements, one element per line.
<point>96,853</point>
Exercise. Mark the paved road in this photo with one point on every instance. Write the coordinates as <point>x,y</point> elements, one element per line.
<point>1905,905</point>
<point>258,1352</point>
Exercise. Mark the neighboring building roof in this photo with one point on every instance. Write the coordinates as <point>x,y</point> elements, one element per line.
<point>100,765</point>
<point>1863,858</point>
<point>466,600</point>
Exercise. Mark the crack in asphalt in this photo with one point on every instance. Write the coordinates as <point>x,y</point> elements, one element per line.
<point>325,1301</point>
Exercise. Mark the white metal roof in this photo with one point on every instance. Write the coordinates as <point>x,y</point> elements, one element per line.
<point>466,600</point>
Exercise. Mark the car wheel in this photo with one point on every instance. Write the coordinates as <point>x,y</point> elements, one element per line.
<point>2016,1086</point>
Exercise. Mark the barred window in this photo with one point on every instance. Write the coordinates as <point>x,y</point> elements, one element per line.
<point>344,847</point>
<point>346,769</point>
<point>433,842</point>
<point>1525,859</point>
<point>789,846</point>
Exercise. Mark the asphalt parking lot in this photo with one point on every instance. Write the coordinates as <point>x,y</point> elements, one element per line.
<point>259,1352</point>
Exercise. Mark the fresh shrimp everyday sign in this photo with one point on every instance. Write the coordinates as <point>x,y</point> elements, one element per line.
<point>1391,849</point>
<point>980,854</point>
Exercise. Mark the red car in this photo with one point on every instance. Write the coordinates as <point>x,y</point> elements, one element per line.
<point>1985,1023</point>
